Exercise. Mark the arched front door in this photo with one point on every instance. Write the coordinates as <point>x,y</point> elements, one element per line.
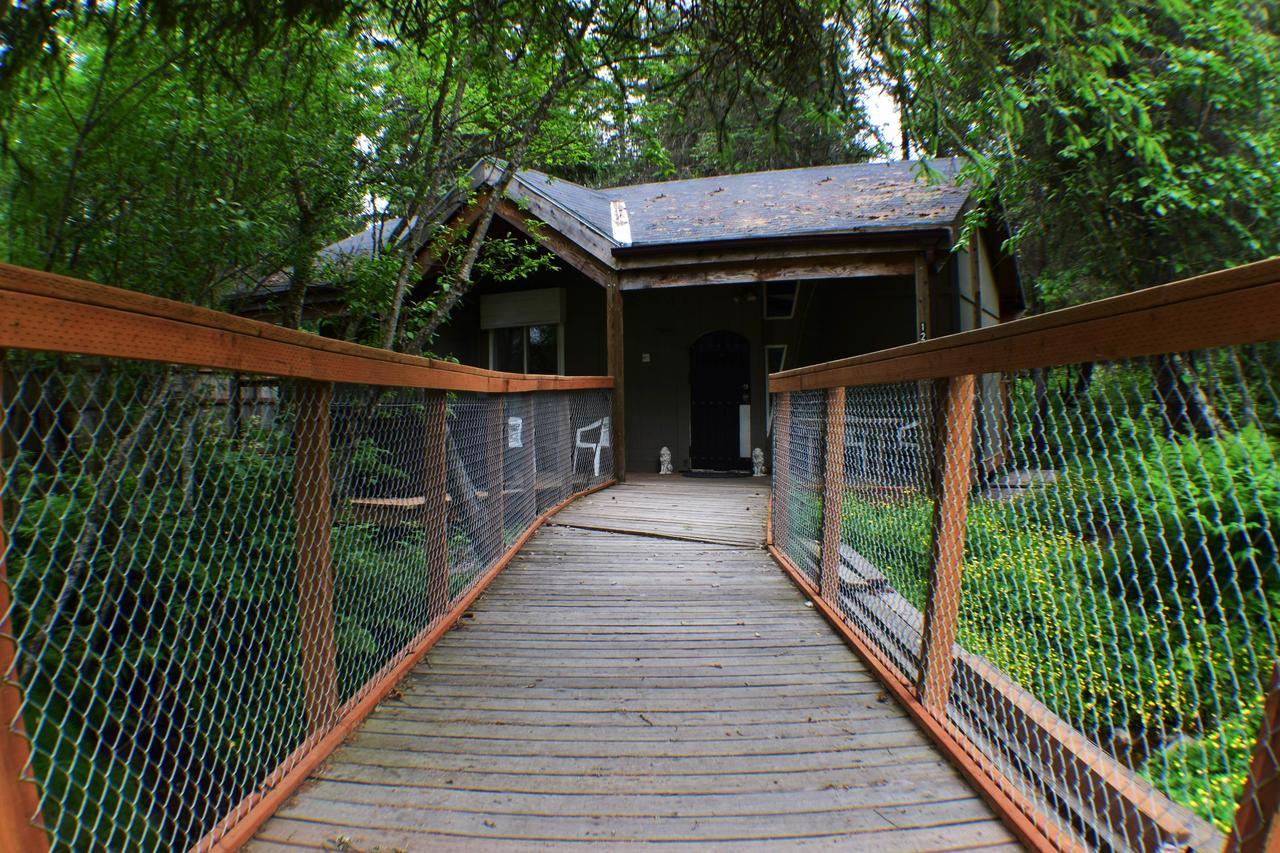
<point>720,398</point>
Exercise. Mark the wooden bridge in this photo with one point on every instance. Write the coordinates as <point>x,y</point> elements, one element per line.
<point>405,605</point>
<point>640,686</point>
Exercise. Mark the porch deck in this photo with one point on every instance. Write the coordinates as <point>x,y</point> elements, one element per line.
<point>641,672</point>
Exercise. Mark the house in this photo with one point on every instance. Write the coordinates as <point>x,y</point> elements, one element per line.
<point>690,292</point>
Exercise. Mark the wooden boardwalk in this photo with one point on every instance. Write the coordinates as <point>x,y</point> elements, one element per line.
<point>639,687</point>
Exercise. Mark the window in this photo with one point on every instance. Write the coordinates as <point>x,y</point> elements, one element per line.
<point>526,330</point>
<point>779,300</point>
<point>527,349</point>
<point>775,356</point>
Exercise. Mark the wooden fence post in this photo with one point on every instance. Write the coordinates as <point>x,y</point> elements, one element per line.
<point>951,508</point>
<point>495,444</point>
<point>1257,823</point>
<point>832,497</point>
<point>781,480</point>
<point>435,508</point>
<point>313,544</point>
<point>20,822</point>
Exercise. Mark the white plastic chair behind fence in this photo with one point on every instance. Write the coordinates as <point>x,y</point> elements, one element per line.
<point>596,447</point>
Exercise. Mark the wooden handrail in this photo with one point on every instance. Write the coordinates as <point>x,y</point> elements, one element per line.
<point>1226,308</point>
<point>52,313</point>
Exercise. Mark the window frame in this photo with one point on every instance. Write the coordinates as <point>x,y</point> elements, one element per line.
<point>490,346</point>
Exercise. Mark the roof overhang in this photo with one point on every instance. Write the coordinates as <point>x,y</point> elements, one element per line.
<point>862,253</point>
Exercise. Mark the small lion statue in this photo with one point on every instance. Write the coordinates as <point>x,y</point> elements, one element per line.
<point>664,461</point>
<point>757,463</point>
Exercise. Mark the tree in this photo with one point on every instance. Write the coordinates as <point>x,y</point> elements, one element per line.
<point>169,165</point>
<point>1127,145</point>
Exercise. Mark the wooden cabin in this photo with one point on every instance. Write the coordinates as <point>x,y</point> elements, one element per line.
<point>690,292</point>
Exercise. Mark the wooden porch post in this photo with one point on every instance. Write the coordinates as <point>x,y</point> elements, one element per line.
<point>613,328</point>
<point>951,508</point>
<point>1257,823</point>
<point>311,496</point>
<point>832,497</point>
<point>924,299</point>
<point>20,828</point>
<point>435,509</point>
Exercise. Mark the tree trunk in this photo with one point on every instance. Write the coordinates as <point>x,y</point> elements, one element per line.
<point>1184,408</point>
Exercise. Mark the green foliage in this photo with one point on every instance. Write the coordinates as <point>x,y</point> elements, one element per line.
<point>1134,596</point>
<point>111,566</point>
<point>143,162</point>
<point>1128,144</point>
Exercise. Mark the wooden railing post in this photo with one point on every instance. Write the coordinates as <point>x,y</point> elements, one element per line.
<point>832,497</point>
<point>20,829</point>
<point>313,544</point>
<point>495,443</point>
<point>435,509</point>
<point>781,481</point>
<point>951,508</point>
<point>1257,823</point>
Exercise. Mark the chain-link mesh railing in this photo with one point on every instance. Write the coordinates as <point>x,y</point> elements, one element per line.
<point>1075,568</point>
<point>207,571</point>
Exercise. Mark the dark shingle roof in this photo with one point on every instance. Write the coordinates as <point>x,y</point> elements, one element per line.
<point>861,197</point>
<point>791,202</point>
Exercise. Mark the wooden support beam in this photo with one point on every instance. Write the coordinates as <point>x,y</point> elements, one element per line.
<point>616,351</point>
<point>850,266</point>
<point>1256,828</point>
<point>20,821</point>
<point>951,508</point>
<point>311,502</point>
<point>562,247</point>
<point>780,523</point>
<point>924,300</point>
<point>832,497</point>
<point>975,280</point>
<point>435,511</point>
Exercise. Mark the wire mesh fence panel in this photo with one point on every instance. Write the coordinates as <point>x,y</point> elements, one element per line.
<point>389,556</point>
<point>519,466</point>
<point>802,433</point>
<point>155,611</point>
<point>467,446</point>
<point>552,448</point>
<point>886,515</point>
<point>591,439</point>
<point>207,570</point>
<point>1077,566</point>
<point>1121,572</point>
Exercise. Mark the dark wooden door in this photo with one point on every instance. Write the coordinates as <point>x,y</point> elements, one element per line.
<point>719,382</point>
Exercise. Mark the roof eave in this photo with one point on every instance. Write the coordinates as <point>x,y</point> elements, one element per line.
<point>908,234</point>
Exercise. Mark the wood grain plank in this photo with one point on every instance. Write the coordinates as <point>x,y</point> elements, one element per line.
<point>627,689</point>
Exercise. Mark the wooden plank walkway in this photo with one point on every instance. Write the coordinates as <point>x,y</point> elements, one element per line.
<point>628,688</point>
